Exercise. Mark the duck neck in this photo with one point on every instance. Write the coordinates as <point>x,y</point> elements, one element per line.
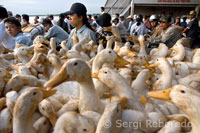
<point>89,99</point>
<point>22,123</point>
<point>97,64</point>
<point>166,71</point>
<point>180,54</point>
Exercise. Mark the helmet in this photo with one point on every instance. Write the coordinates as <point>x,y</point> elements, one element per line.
<point>139,17</point>
<point>153,18</point>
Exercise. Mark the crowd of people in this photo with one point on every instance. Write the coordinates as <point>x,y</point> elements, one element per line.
<point>156,28</point>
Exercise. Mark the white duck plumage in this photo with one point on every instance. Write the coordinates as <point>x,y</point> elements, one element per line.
<point>184,98</point>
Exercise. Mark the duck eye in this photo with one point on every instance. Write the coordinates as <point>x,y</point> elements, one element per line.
<point>182,91</point>
<point>84,129</point>
<point>42,108</point>
<point>157,59</point>
<point>75,63</point>
<point>34,93</point>
<point>109,52</point>
<point>105,72</point>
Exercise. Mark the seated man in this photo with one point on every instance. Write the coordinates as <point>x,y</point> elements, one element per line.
<point>169,34</point>
<point>54,31</point>
<point>13,28</point>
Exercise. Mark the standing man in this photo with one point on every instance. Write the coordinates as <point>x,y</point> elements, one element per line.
<point>191,29</point>
<point>102,10</point>
<point>7,41</point>
<point>78,19</point>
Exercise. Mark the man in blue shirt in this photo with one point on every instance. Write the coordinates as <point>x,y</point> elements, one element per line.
<point>78,18</point>
<point>7,41</point>
<point>54,31</point>
<point>13,28</point>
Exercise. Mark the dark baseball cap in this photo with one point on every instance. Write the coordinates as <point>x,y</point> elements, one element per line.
<point>104,20</point>
<point>77,8</point>
<point>165,19</point>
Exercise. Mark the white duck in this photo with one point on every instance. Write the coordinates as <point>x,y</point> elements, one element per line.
<point>31,97</point>
<point>165,81</point>
<point>105,56</point>
<point>78,70</point>
<point>72,122</point>
<point>4,77</point>
<point>161,51</point>
<point>118,84</point>
<point>179,50</point>
<point>185,99</point>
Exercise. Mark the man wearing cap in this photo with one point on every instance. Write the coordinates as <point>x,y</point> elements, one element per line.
<point>78,19</point>
<point>169,35</point>
<point>130,22</point>
<point>191,29</point>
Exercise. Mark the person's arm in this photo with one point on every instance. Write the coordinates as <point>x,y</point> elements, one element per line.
<point>2,32</point>
<point>50,33</point>
<point>92,36</point>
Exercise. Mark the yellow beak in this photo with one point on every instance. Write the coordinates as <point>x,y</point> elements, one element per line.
<point>53,119</point>
<point>193,51</point>
<point>162,95</point>
<point>118,40</point>
<point>59,78</point>
<point>176,66</point>
<point>48,93</point>
<point>95,75</point>
<point>119,61</point>
<point>63,57</point>
<point>8,75</point>
<point>131,54</point>
<point>171,48</point>
<point>45,41</point>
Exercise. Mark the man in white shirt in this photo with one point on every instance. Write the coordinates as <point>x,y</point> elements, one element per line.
<point>7,41</point>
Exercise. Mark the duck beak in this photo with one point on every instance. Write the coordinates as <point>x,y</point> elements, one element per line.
<point>118,40</point>
<point>2,102</point>
<point>8,50</point>
<point>150,67</point>
<point>30,54</point>
<point>123,102</point>
<point>53,118</point>
<point>171,48</point>
<point>59,78</point>
<point>48,93</point>
<point>45,41</point>
<point>120,62</point>
<point>176,66</point>
<point>15,67</point>
<point>162,95</point>
<point>194,51</point>
<point>131,54</point>
<point>8,75</point>
<point>143,100</point>
<point>95,75</point>
<point>63,57</point>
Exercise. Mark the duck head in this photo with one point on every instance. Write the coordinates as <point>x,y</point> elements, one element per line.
<point>72,70</point>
